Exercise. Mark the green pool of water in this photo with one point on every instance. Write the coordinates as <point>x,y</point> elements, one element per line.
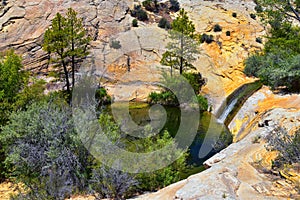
<point>208,132</point>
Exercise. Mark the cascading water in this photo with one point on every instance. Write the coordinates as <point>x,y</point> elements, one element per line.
<point>227,111</point>
<point>235,100</point>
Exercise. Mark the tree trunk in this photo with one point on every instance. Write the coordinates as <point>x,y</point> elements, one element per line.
<point>67,80</point>
<point>181,54</point>
<point>73,56</point>
<point>73,70</point>
<point>181,65</point>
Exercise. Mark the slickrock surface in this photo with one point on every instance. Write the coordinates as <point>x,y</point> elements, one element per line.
<point>23,23</point>
<point>260,102</point>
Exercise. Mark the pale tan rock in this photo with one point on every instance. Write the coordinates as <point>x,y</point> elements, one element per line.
<point>220,62</point>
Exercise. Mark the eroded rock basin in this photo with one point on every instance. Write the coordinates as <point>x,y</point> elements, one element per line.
<point>232,174</point>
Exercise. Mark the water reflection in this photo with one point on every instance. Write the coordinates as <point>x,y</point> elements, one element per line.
<point>209,127</point>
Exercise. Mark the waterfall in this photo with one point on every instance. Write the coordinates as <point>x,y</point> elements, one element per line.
<point>235,100</point>
<point>227,110</point>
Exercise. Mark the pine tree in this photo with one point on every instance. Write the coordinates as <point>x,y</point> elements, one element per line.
<point>182,49</point>
<point>78,40</point>
<point>278,11</point>
<point>67,42</point>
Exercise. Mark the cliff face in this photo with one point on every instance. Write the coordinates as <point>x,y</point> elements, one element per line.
<point>23,23</point>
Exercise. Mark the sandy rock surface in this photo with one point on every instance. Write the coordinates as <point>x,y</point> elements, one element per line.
<point>23,24</point>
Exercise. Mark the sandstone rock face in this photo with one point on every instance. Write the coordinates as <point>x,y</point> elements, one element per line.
<point>222,61</point>
<point>23,23</point>
<point>255,107</point>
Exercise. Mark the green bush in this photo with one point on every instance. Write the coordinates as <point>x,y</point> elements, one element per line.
<point>142,15</point>
<point>115,44</point>
<point>164,23</point>
<point>202,101</point>
<point>227,33</point>
<point>174,5</point>
<point>276,70</point>
<point>134,23</point>
<point>258,40</point>
<point>164,98</point>
<point>149,5</point>
<point>43,151</point>
<point>253,65</point>
<point>195,80</point>
<point>102,97</point>
<point>139,13</point>
<point>217,28</point>
<point>258,8</point>
<point>234,14</point>
<point>278,65</point>
<point>161,178</point>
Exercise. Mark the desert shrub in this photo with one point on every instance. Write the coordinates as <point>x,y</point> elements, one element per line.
<point>102,97</point>
<point>217,28</point>
<point>206,38</point>
<point>234,14</point>
<point>202,102</point>
<point>110,183</point>
<point>287,145</point>
<point>142,15</point>
<point>139,13</point>
<point>149,5</point>
<point>258,8</point>
<point>174,5</point>
<point>164,98</point>
<point>253,16</point>
<point>135,23</point>
<point>152,181</point>
<point>195,80</point>
<point>115,44</point>
<point>164,23</point>
<point>258,40</point>
<point>43,152</point>
<point>227,33</point>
